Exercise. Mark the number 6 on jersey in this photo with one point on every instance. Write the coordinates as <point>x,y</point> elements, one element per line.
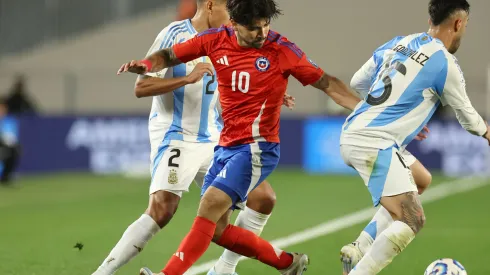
<point>242,77</point>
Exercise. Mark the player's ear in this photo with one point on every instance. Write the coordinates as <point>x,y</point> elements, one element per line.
<point>458,24</point>
<point>209,6</point>
<point>233,24</point>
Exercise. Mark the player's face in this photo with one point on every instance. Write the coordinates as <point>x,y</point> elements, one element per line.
<point>459,31</point>
<point>252,36</point>
<point>218,14</point>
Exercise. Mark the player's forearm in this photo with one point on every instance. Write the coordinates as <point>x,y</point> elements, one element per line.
<point>162,59</point>
<point>153,86</point>
<point>344,98</point>
<point>471,121</point>
<point>338,91</point>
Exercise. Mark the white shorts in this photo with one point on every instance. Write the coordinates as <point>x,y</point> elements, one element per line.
<point>408,157</point>
<point>174,166</point>
<point>385,172</point>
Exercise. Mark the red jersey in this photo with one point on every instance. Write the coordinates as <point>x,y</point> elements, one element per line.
<point>251,82</point>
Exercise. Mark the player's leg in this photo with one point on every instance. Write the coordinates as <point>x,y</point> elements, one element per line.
<point>244,242</point>
<point>230,178</point>
<point>352,253</point>
<point>391,184</point>
<point>201,233</point>
<point>254,217</point>
<point>249,244</point>
<point>170,177</point>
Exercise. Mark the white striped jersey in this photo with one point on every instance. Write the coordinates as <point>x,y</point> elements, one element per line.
<point>402,85</point>
<point>189,113</point>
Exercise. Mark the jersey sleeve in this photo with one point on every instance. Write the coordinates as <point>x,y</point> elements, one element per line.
<point>454,94</point>
<point>200,45</point>
<point>293,61</point>
<point>362,80</point>
<point>161,41</point>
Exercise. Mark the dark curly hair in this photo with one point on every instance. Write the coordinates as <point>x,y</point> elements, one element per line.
<point>244,12</point>
<point>440,10</point>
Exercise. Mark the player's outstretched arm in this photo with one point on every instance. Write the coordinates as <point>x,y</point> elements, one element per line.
<point>466,114</point>
<point>487,134</point>
<point>153,86</point>
<point>162,59</point>
<point>337,90</point>
<point>155,62</point>
<point>454,94</point>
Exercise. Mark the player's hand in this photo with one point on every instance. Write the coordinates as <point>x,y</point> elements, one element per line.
<point>199,71</point>
<point>487,135</point>
<point>423,134</point>
<point>134,66</point>
<point>289,101</point>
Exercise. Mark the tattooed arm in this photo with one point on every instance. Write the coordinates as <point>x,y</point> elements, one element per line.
<point>200,45</point>
<point>337,90</point>
<point>155,62</point>
<point>162,59</point>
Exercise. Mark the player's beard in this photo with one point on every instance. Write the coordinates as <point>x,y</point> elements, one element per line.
<point>258,43</point>
<point>252,43</point>
<point>455,46</point>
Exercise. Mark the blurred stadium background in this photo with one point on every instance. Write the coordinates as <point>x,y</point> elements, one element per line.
<point>84,161</point>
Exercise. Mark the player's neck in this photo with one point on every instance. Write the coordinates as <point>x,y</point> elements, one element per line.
<point>200,21</point>
<point>441,34</point>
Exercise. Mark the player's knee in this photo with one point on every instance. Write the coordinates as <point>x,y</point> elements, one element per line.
<point>214,204</point>
<point>163,207</point>
<point>164,215</point>
<point>424,182</point>
<point>422,177</point>
<point>221,226</point>
<point>262,200</point>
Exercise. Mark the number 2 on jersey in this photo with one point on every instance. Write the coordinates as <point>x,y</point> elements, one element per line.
<point>243,81</point>
<point>210,87</point>
<point>371,100</point>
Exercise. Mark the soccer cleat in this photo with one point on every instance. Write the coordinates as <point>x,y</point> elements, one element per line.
<point>212,271</point>
<point>350,255</point>
<point>147,271</point>
<point>299,265</point>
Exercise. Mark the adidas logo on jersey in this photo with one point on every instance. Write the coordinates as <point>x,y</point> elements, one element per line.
<point>223,61</point>
<point>222,174</point>
<point>180,255</point>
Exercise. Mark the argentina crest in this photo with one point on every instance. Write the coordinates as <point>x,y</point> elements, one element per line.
<point>172,177</point>
<point>262,64</point>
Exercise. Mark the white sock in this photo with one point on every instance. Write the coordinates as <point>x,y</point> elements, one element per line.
<point>389,243</point>
<point>381,220</point>
<point>250,220</point>
<point>131,243</point>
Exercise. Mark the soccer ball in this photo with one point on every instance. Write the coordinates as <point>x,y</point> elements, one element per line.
<point>445,267</point>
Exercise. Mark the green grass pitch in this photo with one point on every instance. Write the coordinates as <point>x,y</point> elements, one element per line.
<point>43,217</point>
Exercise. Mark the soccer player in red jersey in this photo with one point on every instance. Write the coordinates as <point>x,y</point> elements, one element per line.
<point>252,64</point>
